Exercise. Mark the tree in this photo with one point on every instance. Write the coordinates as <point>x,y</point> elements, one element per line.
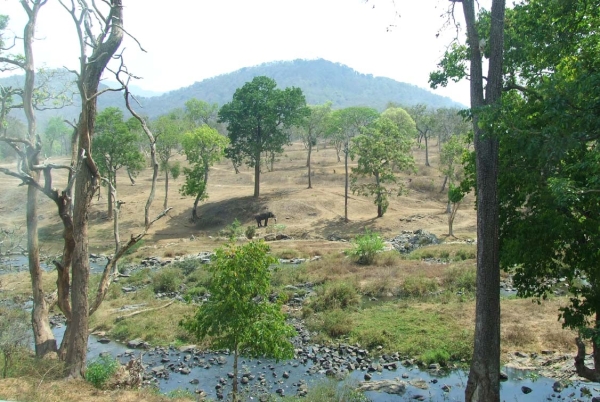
<point>425,123</point>
<point>483,383</point>
<point>203,147</point>
<point>169,130</point>
<point>238,315</point>
<point>96,50</point>
<point>346,124</point>
<point>314,126</point>
<point>257,118</point>
<point>57,132</point>
<point>381,147</point>
<point>117,147</point>
<point>448,123</point>
<point>198,112</point>
<point>548,128</point>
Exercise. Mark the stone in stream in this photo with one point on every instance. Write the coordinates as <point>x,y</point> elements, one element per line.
<point>526,390</point>
<point>104,340</point>
<point>396,387</point>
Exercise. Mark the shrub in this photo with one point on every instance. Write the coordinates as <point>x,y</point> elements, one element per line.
<point>14,335</point>
<point>338,295</point>
<point>187,266</point>
<point>436,356</point>
<point>462,278</point>
<point>234,230</point>
<point>166,280</point>
<point>365,247</point>
<point>337,323</point>
<point>250,232</point>
<point>418,286</point>
<point>100,370</point>
<point>463,254</point>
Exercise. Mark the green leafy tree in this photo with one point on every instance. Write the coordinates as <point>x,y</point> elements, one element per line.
<point>57,137</point>
<point>238,315</point>
<point>116,147</point>
<point>451,157</point>
<point>313,127</point>
<point>256,121</point>
<point>346,124</point>
<point>425,122</point>
<point>168,130</point>
<point>383,146</point>
<point>548,129</point>
<point>203,147</point>
<point>198,112</point>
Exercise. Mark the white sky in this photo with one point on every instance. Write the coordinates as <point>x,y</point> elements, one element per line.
<point>190,40</point>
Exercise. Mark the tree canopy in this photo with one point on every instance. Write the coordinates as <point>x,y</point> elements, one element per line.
<point>256,119</point>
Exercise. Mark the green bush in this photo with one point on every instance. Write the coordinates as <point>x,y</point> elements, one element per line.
<point>337,295</point>
<point>167,280</point>
<point>436,356</point>
<point>100,370</point>
<point>337,323</point>
<point>234,230</point>
<point>250,232</point>
<point>463,254</point>
<point>463,278</point>
<point>366,247</point>
<point>187,266</point>
<point>418,286</point>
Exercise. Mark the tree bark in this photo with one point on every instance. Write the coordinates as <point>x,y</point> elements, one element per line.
<point>308,163</point>
<point>257,176</point>
<point>346,151</point>
<point>484,377</point>
<point>91,70</point>
<point>166,203</point>
<point>426,137</point>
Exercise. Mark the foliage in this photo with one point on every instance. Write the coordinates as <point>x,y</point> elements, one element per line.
<point>250,232</point>
<point>167,280</point>
<point>234,230</point>
<point>335,295</point>
<point>203,147</point>
<point>100,370</point>
<point>336,323</point>
<point>256,118</point>
<point>14,334</point>
<point>239,315</point>
<point>330,390</point>
<point>365,247</point>
<point>381,148</point>
<point>198,113</point>
<point>57,137</point>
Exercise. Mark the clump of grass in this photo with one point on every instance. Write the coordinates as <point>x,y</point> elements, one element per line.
<point>289,275</point>
<point>460,278</point>
<point>330,390</point>
<point>464,254</point>
<point>250,232</point>
<point>167,280</point>
<point>418,286</point>
<point>440,356</point>
<point>100,370</point>
<point>335,295</point>
<point>336,323</point>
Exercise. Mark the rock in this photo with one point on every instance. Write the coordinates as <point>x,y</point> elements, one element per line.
<point>368,377</point>
<point>446,388</point>
<point>395,387</point>
<point>157,369</point>
<point>419,383</point>
<point>558,386</point>
<point>185,370</point>
<point>187,348</point>
<point>135,343</point>
<point>503,376</point>
<point>104,340</point>
<point>195,381</point>
<point>526,390</point>
<point>521,354</point>
<point>434,366</point>
<point>419,397</point>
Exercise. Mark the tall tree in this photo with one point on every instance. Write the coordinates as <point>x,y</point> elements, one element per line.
<point>198,112</point>
<point>203,147</point>
<point>346,124</point>
<point>57,137</point>
<point>28,169</point>
<point>256,121</point>
<point>169,130</point>
<point>383,146</point>
<point>483,383</point>
<point>117,147</point>
<point>425,122</point>
<point>96,50</point>
<point>313,127</point>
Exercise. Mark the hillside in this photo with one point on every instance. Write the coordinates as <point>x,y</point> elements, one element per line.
<point>320,80</point>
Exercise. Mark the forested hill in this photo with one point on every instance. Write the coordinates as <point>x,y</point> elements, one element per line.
<point>320,80</point>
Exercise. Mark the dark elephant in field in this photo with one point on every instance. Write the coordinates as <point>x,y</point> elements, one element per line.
<point>265,217</point>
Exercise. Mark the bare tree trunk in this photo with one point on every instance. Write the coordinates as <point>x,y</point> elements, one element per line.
<point>426,137</point>
<point>444,184</point>
<point>346,151</point>
<point>166,203</point>
<point>484,377</point>
<point>308,163</point>
<point>131,179</point>
<point>43,336</point>
<point>235,373</point>
<point>257,176</point>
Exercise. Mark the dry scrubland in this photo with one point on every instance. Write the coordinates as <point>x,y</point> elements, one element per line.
<point>428,308</point>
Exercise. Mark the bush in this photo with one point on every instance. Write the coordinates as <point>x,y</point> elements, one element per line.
<point>100,370</point>
<point>418,286</point>
<point>187,266</point>
<point>365,247</point>
<point>250,232</point>
<point>337,323</point>
<point>167,280</point>
<point>463,278</point>
<point>234,230</point>
<point>338,295</point>
<point>436,356</point>
<point>15,335</point>
<point>463,254</point>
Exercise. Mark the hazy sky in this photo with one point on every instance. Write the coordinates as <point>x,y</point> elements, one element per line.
<point>190,40</point>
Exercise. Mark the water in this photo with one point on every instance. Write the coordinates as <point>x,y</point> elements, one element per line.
<point>273,372</point>
<point>18,263</point>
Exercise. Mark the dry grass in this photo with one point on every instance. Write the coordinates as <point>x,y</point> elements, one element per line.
<point>38,390</point>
